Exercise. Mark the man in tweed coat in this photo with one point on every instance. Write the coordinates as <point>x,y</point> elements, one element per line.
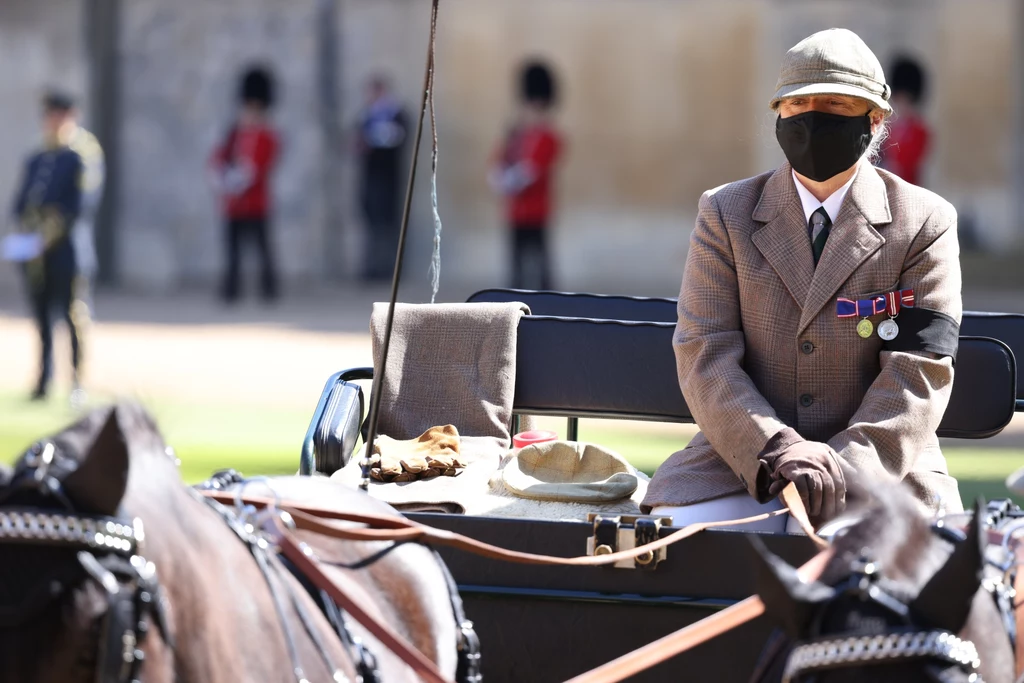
<point>784,351</point>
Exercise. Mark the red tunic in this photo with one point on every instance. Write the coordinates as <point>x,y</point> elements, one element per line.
<point>539,146</point>
<point>252,150</point>
<point>906,148</point>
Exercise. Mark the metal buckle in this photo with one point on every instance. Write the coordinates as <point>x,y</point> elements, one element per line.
<point>614,533</point>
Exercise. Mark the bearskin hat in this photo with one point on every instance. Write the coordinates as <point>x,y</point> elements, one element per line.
<point>907,76</point>
<point>538,83</point>
<point>257,86</point>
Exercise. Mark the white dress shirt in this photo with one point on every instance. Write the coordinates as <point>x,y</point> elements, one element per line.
<point>832,203</point>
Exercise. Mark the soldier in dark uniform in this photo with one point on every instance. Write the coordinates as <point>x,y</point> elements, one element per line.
<point>381,143</point>
<point>56,201</point>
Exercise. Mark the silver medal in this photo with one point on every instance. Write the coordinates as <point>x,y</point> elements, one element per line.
<point>888,329</point>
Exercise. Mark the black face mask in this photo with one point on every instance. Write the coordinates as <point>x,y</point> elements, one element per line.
<point>820,145</point>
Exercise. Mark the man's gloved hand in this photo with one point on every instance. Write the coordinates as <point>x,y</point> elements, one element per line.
<point>814,468</point>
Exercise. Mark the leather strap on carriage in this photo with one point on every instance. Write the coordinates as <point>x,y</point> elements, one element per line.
<point>302,557</point>
<point>398,529</point>
<point>1018,613</point>
<point>691,636</point>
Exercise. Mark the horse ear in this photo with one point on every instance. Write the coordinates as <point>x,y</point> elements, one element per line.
<point>945,601</point>
<point>787,598</point>
<point>98,484</point>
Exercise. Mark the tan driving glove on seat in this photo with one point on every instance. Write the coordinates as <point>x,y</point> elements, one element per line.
<point>433,453</point>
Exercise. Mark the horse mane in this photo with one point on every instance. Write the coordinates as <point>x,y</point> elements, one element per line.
<point>892,531</point>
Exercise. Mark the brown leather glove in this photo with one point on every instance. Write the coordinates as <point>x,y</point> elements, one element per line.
<point>434,453</point>
<point>815,469</point>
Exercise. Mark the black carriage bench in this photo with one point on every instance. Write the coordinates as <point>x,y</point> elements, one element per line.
<point>1006,327</point>
<point>545,624</point>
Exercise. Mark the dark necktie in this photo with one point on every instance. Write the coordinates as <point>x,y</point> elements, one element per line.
<point>819,228</point>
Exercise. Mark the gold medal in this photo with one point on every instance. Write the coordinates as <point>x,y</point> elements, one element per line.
<point>865,328</point>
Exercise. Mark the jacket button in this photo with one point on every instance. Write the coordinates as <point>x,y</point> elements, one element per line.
<point>807,347</point>
<point>806,400</point>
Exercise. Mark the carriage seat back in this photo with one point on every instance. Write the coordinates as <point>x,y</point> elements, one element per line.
<point>625,369</point>
<point>1006,327</point>
<point>578,367</point>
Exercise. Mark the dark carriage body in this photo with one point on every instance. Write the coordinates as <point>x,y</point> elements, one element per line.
<point>575,360</point>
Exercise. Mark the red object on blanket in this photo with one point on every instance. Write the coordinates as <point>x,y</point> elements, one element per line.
<point>523,439</point>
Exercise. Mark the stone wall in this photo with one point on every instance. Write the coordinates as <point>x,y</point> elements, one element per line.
<point>665,99</point>
<point>662,99</point>
<point>179,63</point>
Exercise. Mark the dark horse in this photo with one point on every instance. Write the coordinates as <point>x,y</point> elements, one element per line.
<point>85,597</point>
<point>901,600</point>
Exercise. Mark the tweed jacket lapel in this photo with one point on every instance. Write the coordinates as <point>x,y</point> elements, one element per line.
<point>852,240</point>
<point>783,240</point>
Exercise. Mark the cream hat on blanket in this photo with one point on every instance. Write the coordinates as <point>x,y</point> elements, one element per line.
<point>569,471</point>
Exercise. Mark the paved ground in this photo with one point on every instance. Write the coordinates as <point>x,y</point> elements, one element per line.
<point>189,347</point>
<point>192,348</point>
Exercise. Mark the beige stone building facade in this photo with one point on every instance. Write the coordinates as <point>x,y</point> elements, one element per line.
<point>662,99</point>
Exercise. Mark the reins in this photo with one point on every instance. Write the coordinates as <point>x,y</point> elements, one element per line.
<point>427,100</point>
<point>397,529</point>
<point>693,635</point>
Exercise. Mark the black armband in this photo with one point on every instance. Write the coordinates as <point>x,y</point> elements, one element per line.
<point>925,330</point>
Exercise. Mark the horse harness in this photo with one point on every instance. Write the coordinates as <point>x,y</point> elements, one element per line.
<point>950,658</point>
<point>263,538</point>
<point>109,550</point>
<point>945,653</point>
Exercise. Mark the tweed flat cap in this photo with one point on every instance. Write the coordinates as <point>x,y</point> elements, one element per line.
<point>569,471</point>
<point>832,62</point>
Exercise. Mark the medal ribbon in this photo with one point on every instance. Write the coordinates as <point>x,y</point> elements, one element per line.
<point>883,303</point>
<point>907,295</point>
<point>893,300</point>
<point>862,308</point>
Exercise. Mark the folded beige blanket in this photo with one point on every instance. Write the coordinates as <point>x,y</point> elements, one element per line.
<point>448,363</point>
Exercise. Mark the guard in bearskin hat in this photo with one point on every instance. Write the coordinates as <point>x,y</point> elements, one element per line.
<point>906,149</point>
<point>241,167</point>
<point>522,172</point>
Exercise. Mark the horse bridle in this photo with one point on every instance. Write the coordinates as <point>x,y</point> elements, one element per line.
<point>944,650</point>
<point>109,550</point>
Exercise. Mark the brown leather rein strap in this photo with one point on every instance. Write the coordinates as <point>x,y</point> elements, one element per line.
<point>399,529</point>
<point>307,563</point>
<point>395,528</point>
<point>691,636</point>
<point>1018,610</point>
<point>1018,615</point>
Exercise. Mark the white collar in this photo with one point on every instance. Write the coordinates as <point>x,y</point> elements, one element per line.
<point>832,203</point>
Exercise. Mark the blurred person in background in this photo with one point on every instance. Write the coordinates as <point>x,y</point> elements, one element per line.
<point>241,170</point>
<point>380,145</point>
<point>523,171</point>
<point>909,140</point>
<point>53,213</point>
